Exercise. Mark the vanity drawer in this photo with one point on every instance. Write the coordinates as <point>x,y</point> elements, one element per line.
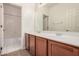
<point>58,49</point>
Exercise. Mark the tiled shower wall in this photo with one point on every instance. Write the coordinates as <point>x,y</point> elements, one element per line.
<point>12,21</point>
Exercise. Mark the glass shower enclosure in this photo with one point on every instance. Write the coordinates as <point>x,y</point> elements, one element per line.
<point>10,27</point>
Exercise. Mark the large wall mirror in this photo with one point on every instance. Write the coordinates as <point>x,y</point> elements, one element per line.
<point>60,17</point>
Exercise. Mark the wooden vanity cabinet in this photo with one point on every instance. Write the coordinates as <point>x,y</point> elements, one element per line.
<point>32,45</point>
<point>58,49</point>
<point>41,46</point>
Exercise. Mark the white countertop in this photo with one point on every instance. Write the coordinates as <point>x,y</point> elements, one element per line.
<point>64,38</point>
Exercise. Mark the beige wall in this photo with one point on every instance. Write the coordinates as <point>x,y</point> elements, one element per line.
<point>28,18</point>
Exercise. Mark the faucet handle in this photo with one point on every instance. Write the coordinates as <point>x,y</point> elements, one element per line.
<point>67,30</point>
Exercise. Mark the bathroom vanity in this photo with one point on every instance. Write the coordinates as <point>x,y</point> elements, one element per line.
<point>42,44</point>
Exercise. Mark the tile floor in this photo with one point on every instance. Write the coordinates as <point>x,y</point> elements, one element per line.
<point>18,53</point>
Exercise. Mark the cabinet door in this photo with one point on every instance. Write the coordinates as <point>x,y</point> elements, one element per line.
<point>58,49</point>
<point>41,46</point>
<point>32,44</point>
